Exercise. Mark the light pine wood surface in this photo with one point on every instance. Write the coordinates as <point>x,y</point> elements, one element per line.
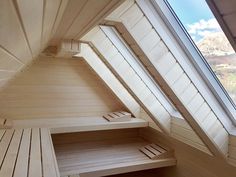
<point>27,153</point>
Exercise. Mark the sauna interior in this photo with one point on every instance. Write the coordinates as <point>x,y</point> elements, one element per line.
<point>92,88</point>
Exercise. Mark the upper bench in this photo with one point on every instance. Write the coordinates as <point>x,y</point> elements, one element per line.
<point>69,125</point>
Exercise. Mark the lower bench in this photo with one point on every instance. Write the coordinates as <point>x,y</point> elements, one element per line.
<point>27,153</point>
<point>104,153</point>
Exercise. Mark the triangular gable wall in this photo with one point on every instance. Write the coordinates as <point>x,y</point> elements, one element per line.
<point>57,88</point>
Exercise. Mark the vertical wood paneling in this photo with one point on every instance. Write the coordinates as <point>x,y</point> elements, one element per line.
<point>21,29</point>
<point>51,8</point>
<point>32,12</point>
<point>12,37</point>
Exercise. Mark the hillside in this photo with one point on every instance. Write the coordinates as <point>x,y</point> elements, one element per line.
<point>222,59</point>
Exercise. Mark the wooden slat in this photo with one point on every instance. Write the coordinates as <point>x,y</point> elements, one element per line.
<point>2,132</point>
<point>21,168</point>
<point>10,158</point>
<point>5,143</point>
<point>160,149</point>
<point>2,121</point>
<point>147,152</point>
<point>35,168</point>
<point>153,150</point>
<point>47,155</point>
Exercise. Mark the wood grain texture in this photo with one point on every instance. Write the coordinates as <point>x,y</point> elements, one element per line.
<point>167,70</point>
<point>54,88</point>
<point>27,152</point>
<point>191,161</point>
<point>78,124</point>
<point>129,78</point>
<point>104,157</point>
<point>25,29</point>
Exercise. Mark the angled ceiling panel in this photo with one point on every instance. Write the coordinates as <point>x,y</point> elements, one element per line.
<point>225,13</point>
<point>164,68</point>
<point>128,76</point>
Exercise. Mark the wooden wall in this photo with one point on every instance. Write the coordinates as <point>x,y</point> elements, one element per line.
<point>232,149</point>
<point>53,88</point>
<point>172,70</point>
<point>80,16</point>
<point>25,29</point>
<point>190,161</point>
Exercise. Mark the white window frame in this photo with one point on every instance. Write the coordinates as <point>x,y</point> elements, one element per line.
<point>196,58</point>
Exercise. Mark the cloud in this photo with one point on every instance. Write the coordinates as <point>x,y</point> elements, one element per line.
<point>202,28</point>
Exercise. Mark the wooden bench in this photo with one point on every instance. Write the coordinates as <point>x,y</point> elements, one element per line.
<point>94,154</point>
<point>68,125</point>
<point>27,153</point>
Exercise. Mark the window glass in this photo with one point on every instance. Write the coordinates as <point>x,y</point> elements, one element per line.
<point>201,25</point>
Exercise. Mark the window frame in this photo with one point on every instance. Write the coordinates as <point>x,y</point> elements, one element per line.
<point>196,58</point>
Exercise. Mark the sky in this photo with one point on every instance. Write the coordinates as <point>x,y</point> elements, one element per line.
<point>196,17</point>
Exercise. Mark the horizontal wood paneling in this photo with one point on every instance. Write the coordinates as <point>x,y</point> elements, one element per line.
<point>54,88</point>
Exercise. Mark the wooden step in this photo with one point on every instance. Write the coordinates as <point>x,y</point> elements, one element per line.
<point>119,116</point>
<point>154,151</point>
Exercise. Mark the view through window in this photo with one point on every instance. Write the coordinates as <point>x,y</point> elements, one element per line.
<point>200,23</point>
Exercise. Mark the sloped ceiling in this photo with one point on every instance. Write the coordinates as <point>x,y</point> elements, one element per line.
<point>27,27</point>
<point>225,13</point>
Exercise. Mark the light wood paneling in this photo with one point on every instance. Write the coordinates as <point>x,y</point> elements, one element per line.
<point>183,132</point>
<point>30,153</point>
<point>23,26</point>
<point>190,161</point>
<point>81,124</point>
<point>81,16</point>
<point>32,11</point>
<point>167,70</point>
<point>129,77</point>
<point>232,149</point>
<point>54,88</point>
<point>108,77</point>
<point>104,153</point>
<point>51,8</point>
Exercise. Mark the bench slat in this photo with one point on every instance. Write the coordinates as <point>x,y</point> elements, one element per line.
<point>35,168</point>
<point>2,133</point>
<point>5,143</point>
<point>21,168</point>
<point>9,161</point>
<point>47,155</point>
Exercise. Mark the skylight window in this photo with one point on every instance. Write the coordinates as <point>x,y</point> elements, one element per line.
<point>201,25</point>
